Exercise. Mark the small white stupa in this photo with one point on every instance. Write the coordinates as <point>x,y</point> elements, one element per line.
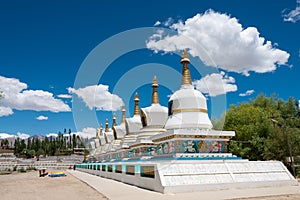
<point>119,132</point>
<point>153,120</point>
<point>154,116</point>
<point>133,125</point>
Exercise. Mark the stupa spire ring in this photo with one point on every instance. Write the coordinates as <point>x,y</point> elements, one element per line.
<point>123,114</point>
<point>186,75</point>
<point>136,104</point>
<point>154,91</point>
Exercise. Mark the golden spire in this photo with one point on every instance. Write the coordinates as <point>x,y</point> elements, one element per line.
<point>97,134</point>
<point>101,129</point>
<point>136,104</point>
<point>154,91</point>
<point>114,121</point>
<point>123,114</point>
<point>106,125</point>
<point>186,76</point>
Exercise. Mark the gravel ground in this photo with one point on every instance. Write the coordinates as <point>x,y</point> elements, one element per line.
<point>29,185</point>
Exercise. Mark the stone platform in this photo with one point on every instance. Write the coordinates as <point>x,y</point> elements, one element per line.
<point>193,174</point>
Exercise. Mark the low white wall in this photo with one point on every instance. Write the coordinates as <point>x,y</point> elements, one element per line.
<point>197,175</point>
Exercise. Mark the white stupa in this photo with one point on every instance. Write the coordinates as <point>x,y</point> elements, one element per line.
<point>109,138</point>
<point>119,132</point>
<point>187,106</point>
<point>154,116</point>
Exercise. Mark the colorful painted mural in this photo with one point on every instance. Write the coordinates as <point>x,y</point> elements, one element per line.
<point>192,146</point>
<point>169,148</point>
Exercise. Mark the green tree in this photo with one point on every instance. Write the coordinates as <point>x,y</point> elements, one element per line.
<point>74,141</point>
<point>40,152</point>
<point>22,145</point>
<point>258,137</point>
<point>29,143</point>
<point>218,124</point>
<point>17,146</point>
<point>5,143</point>
<point>70,139</point>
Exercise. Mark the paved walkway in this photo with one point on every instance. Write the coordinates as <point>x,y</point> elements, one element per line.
<point>116,190</point>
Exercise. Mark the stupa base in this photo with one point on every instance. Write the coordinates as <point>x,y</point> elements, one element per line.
<point>188,175</point>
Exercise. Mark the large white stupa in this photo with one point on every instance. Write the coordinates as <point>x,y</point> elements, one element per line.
<point>175,150</point>
<point>187,106</point>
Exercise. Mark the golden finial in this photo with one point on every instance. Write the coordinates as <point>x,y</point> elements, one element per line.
<point>136,97</point>
<point>106,125</point>
<point>136,104</point>
<point>114,121</point>
<point>186,76</point>
<point>154,82</point>
<point>123,114</point>
<point>101,129</point>
<point>185,57</point>
<point>154,91</point>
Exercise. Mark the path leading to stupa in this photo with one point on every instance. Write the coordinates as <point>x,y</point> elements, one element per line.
<point>116,190</point>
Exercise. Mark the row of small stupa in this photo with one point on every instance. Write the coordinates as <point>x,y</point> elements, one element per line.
<point>174,149</point>
<point>140,134</point>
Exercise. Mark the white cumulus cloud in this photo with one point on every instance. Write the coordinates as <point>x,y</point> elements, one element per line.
<point>41,117</point>
<point>64,96</point>
<point>168,22</point>
<point>247,93</point>
<point>292,15</point>
<point>157,23</point>
<point>220,41</point>
<point>87,132</point>
<point>18,97</point>
<point>98,96</point>
<point>216,84</point>
<point>5,111</point>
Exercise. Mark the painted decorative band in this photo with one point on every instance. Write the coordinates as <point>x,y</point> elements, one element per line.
<point>190,110</point>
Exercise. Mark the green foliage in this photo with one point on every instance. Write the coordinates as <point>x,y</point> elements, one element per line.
<point>264,128</point>
<point>218,124</point>
<point>40,151</point>
<point>49,146</point>
<point>22,170</point>
<point>5,143</point>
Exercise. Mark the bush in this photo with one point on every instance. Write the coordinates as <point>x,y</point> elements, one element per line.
<point>22,170</point>
<point>298,172</point>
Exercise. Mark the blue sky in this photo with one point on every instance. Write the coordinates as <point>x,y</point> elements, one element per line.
<point>45,46</point>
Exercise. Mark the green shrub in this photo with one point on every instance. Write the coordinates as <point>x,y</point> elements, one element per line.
<point>22,170</point>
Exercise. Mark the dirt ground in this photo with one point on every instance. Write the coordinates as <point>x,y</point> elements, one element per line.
<point>29,185</point>
<point>23,186</point>
<point>282,197</point>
